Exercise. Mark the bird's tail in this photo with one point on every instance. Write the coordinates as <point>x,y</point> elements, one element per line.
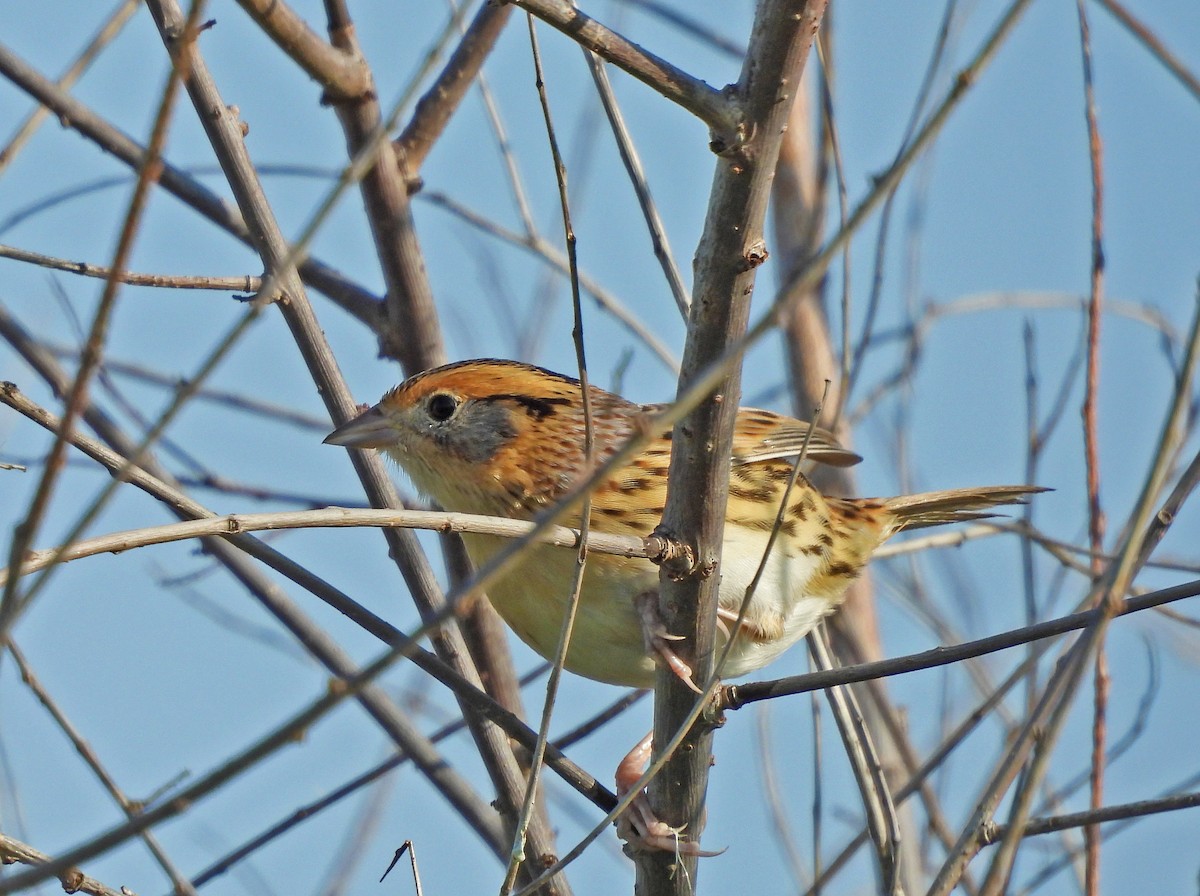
<point>954,505</point>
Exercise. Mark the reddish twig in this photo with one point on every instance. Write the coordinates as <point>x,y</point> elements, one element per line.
<point>1096,523</point>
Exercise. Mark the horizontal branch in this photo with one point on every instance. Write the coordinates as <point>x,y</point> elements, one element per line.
<point>330,518</point>
<point>735,696</point>
<point>650,547</point>
<point>246,283</point>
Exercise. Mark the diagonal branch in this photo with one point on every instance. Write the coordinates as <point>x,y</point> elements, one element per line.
<point>341,73</point>
<point>444,96</point>
<point>714,107</point>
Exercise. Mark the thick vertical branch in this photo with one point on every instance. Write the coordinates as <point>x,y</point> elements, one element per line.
<point>730,250</point>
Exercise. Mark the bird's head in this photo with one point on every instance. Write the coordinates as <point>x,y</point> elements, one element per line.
<point>483,436</point>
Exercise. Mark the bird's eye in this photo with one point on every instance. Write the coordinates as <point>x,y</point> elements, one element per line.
<point>442,406</point>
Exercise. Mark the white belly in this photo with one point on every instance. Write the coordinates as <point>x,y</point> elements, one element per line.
<point>780,599</point>
<point>607,643</point>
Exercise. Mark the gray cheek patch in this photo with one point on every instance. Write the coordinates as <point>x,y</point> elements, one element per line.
<point>477,432</point>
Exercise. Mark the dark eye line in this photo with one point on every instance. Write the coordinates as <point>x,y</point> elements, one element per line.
<point>538,408</point>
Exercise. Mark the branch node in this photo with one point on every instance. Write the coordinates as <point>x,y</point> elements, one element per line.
<point>72,880</point>
<point>677,557</point>
<point>754,255</point>
<point>730,133</point>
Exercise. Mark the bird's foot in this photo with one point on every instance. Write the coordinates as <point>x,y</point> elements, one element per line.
<point>638,825</point>
<point>658,639</point>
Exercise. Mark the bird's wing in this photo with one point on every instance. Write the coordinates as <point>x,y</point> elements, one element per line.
<point>765,435</point>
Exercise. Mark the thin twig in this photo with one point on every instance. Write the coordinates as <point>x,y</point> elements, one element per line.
<point>773,796</point>
<point>1154,44</point>
<point>736,696</point>
<point>433,111</point>
<point>178,879</point>
<point>1091,439</point>
<point>1037,436</point>
<point>691,27</point>
<point>937,58</point>
<point>637,178</point>
<point>517,857</point>
<point>1096,817</point>
<point>551,256</point>
<point>408,847</point>
<point>878,805</point>
<point>603,717</point>
<point>246,283</point>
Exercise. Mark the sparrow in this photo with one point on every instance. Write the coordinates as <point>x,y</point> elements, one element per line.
<point>504,438</point>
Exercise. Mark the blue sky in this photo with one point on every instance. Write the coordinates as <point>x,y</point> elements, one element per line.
<point>160,683</point>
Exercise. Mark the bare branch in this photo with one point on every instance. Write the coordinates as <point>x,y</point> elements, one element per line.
<point>245,283</point>
<point>1157,48</point>
<point>711,106</point>
<point>444,96</point>
<point>341,73</point>
<point>1038,826</point>
<point>73,880</point>
<point>103,37</point>
<point>77,115</point>
<point>735,696</point>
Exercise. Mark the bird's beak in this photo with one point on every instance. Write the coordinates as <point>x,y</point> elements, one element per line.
<point>370,429</point>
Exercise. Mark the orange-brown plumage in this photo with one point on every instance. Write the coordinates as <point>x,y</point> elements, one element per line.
<point>507,439</point>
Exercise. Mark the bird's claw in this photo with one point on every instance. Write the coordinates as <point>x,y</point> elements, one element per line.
<point>657,638</point>
<point>638,826</point>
